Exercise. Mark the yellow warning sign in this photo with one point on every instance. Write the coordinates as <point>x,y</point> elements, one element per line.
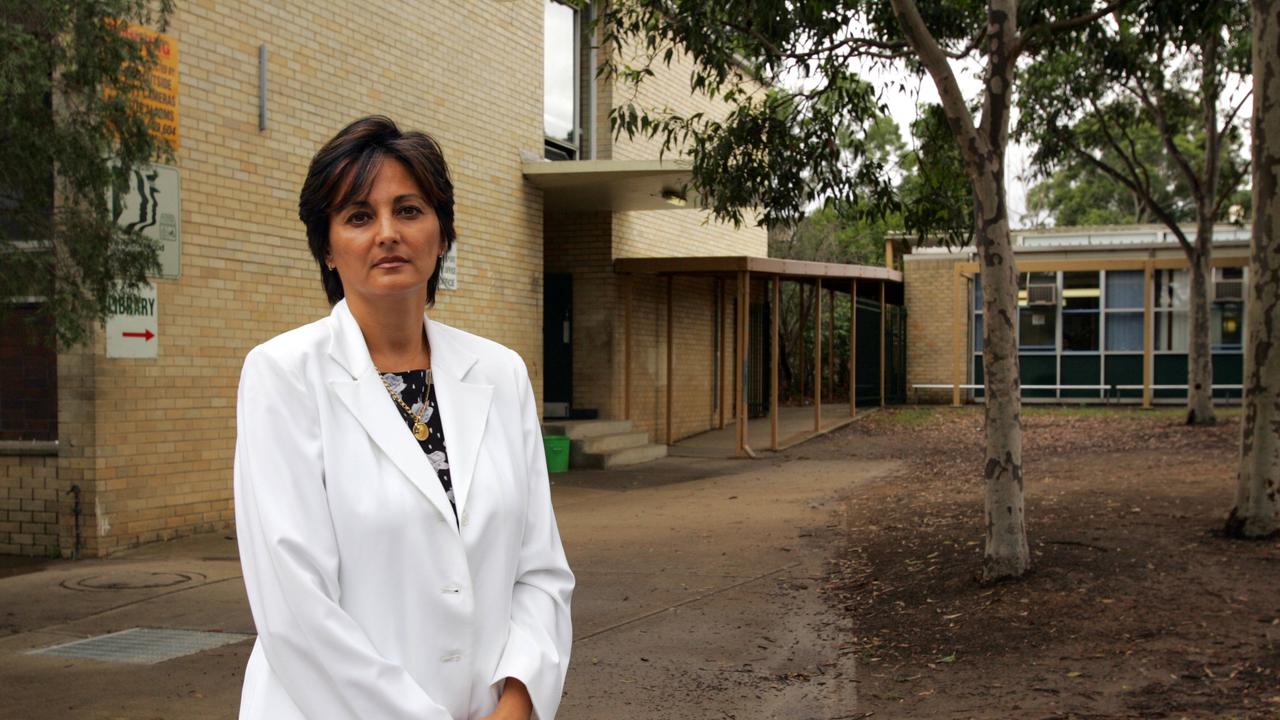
<point>162,92</point>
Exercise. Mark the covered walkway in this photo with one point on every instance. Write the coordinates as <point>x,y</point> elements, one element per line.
<point>795,425</point>
<point>858,282</point>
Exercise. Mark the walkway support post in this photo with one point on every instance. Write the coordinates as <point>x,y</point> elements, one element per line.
<point>817,355</point>
<point>853,348</point>
<point>776,307</point>
<point>627,285</point>
<point>670,378</point>
<point>831,343</point>
<point>883,339</point>
<point>722,308</point>
<point>744,299</point>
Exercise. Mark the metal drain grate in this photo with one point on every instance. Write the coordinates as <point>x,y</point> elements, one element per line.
<point>144,646</point>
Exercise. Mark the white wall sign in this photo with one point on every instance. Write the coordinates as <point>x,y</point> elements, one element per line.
<point>449,270</point>
<point>153,205</point>
<point>133,327</point>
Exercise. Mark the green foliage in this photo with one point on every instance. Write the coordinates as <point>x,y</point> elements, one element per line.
<point>935,195</point>
<point>1118,117</point>
<point>785,147</point>
<point>1077,193</point>
<point>73,128</point>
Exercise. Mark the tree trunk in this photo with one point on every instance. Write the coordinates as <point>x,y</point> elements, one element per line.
<point>1006,553</point>
<point>1199,352</point>
<point>983,151</point>
<point>1257,513</point>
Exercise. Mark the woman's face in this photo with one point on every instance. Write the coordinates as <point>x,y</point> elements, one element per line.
<point>387,243</point>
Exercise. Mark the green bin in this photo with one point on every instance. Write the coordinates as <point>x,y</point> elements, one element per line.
<point>557,447</point>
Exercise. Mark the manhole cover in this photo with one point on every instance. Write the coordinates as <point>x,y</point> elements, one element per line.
<point>131,580</point>
<point>143,646</point>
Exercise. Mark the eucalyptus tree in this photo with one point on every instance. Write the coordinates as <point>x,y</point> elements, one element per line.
<point>1170,64</point>
<point>778,148</point>
<point>1076,192</point>
<point>1257,509</point>
<point>72,129</point>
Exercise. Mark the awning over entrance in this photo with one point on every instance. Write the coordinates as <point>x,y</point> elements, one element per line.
<point>612,185</point>
<point>833,277</point>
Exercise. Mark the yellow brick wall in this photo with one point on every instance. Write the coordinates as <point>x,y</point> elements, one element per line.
<point>160,465</point>
<point>150,441</point>
<point>29,505</point>
<point>931,317</point>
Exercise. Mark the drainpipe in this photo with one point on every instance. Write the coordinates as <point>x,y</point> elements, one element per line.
<point>591,85</point>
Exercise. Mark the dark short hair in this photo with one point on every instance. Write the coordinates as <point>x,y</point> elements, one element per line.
<point>342,172</point>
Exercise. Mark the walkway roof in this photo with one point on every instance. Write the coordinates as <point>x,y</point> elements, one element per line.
<point>731,265</point>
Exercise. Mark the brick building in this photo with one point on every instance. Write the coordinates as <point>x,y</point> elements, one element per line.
<point>146,443</point>
<point>1102,316</point>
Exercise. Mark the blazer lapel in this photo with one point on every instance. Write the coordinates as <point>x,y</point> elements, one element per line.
<point>464,407</point>
<point>367,399</point>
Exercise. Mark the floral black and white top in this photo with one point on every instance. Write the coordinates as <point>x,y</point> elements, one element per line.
<point>410,384</point>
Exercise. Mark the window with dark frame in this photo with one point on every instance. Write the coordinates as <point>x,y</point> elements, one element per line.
<point>29,383</point>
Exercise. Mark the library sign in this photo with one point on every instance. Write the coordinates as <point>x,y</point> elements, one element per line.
<point>133,326</point>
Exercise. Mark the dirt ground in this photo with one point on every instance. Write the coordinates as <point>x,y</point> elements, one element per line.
<point>1135,607</point>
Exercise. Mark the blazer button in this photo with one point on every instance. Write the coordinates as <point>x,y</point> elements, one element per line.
<point>450,589</point>
<point>466,518</point>
<point>451,658</point>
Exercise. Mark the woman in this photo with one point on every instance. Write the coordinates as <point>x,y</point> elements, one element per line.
<point>399,548</point>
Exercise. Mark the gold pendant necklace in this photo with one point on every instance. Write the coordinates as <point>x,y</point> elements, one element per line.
<point>421,430</point>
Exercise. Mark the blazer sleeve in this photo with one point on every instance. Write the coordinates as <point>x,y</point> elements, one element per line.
<point>540,631</point>
<point>289,554</point>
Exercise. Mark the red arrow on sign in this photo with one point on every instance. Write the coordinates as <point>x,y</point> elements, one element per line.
<point>144,335</point>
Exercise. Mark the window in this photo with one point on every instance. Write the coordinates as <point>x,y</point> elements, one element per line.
<point>977,312</point>
<point>1081,305</point>
<point>29,383</point>
<point>1124,311</point>
<point>1037,311</point>
<point>560,81</point>
<point>1172,298</point>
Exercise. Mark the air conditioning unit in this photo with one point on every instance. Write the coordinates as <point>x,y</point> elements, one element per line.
<point>1042,295</point>
<point>1228,290</point>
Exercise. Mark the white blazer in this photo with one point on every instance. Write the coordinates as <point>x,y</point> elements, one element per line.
<point>370,600</point>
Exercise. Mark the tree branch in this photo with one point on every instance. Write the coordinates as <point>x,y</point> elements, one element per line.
<point>1166,135</point>
<point>1034,36</point>
<point>972,45</point>
<point>1132,164</point>
<point>1147,200</point>
<point>1209,92</point>
<point>935,62</point>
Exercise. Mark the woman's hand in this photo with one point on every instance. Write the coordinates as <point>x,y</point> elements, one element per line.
<point>514,704</point>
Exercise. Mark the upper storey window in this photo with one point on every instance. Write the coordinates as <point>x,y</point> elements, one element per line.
<point>560,81</point>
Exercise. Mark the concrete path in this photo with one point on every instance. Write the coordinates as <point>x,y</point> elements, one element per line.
<point>697,598</point>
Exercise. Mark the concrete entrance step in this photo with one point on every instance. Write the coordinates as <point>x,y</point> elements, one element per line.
<point>619,458</point>
<point>579,429</point>
<point>596,451</point>
<point>603,444</point>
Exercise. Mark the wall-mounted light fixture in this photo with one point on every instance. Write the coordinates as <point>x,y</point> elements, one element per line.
<point>674,197</point>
